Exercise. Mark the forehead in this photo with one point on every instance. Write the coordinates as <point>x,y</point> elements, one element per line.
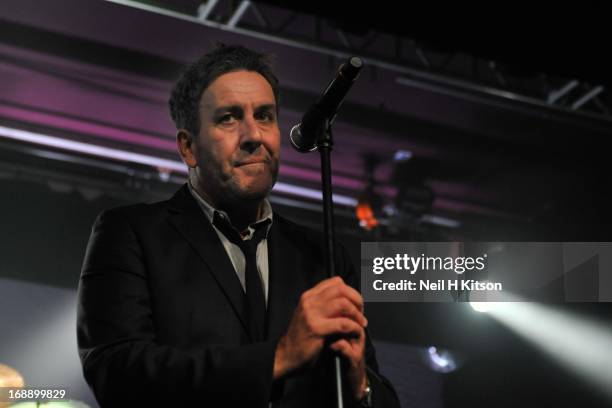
<point>238,88</point>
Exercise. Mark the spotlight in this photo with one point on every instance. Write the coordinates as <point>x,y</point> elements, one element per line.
<point>441,361</point>
<point>9,377</point>
<point>365,214</point>
<point>579,343</point>
<point>482,307</point>
<point>370,204</point>
<point>478,300</point>
<point>485,307</point>
<point>402,155</point>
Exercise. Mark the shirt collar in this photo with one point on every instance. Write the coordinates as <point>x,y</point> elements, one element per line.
<point>210,211</point>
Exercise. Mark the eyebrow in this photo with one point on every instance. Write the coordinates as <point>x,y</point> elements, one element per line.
<point>266,107</point>
<point>238,108</point>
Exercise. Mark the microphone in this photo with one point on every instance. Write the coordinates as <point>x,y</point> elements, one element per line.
<point>304,136</point>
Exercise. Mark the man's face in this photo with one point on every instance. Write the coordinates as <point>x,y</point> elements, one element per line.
<point>237,150</point>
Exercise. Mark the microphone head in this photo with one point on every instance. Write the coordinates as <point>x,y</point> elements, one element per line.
<point>306,135</point>
<point>356,62</point>
<point>299,142</point>
<point>350,69</point>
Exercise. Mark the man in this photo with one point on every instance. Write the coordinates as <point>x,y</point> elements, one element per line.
<point>176,310</point>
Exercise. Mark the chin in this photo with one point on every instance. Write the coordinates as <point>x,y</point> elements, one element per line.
<point>243,186</point>
<point>253,193</point>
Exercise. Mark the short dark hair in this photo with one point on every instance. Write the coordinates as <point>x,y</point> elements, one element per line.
<point>185,98</point>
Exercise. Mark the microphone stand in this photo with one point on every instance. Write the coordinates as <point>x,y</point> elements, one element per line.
<point>328,105</point>
<point>324,145</point>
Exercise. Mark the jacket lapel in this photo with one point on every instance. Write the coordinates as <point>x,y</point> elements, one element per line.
<point>189,220</point>
<point>287,279</point>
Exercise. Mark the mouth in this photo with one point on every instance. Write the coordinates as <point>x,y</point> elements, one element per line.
<point>249,163</point>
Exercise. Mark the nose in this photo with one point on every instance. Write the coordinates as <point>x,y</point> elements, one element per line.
<point>250,134</point>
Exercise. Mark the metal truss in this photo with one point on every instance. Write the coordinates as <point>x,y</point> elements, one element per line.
<point>415,64</point>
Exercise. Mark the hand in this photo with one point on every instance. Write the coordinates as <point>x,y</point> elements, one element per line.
<point>331,308</point>
<point>353,349</point>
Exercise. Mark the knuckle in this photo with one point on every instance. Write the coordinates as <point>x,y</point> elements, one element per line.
<point>345,325</point>
<point>344,305</point>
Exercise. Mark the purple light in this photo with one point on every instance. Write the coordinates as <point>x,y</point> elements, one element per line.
<point>56,142</point>
<point>312,193</point>
<point>162,164</point>
<point>86,128</point>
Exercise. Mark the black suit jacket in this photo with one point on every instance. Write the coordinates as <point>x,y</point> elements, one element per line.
<point>160,313</point>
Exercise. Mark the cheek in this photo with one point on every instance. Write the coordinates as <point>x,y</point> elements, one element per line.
<point>218,153</point>
<point>273,144</point>
<point>223,154</point>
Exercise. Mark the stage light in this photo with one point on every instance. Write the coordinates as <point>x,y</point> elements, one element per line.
<point>439,360</point>
<point>87,148</point>
<point>365,215</point>
<point>482,307</point>
<point>164,166</point>
<point>9,378</point>
<point>402,155</point>
<point>479,305</point>
<point>578,343</point>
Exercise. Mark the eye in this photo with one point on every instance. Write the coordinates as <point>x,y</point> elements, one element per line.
<point>264,116</point>
<point>226,119</point>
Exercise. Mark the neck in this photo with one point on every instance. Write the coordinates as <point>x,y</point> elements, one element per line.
<point>242,213</point>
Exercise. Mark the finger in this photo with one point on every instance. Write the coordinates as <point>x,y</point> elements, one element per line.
<point>334,287</point>
<point>310,296</point>
<point>338,325</point>
<point>343,307</point>
<point>324,284</point>
<point>337,281</point>
<point>343,347</point>
<point>352,352</point>
<point>315,291</point>
<point>342,290</point>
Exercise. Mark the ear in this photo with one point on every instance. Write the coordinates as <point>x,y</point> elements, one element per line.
<point>186,147</point>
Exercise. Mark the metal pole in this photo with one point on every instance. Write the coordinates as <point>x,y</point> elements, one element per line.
<point>325,147</point>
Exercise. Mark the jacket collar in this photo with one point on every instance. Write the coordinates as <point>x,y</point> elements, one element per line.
<point>287,277</point>
<point>188,219</point>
